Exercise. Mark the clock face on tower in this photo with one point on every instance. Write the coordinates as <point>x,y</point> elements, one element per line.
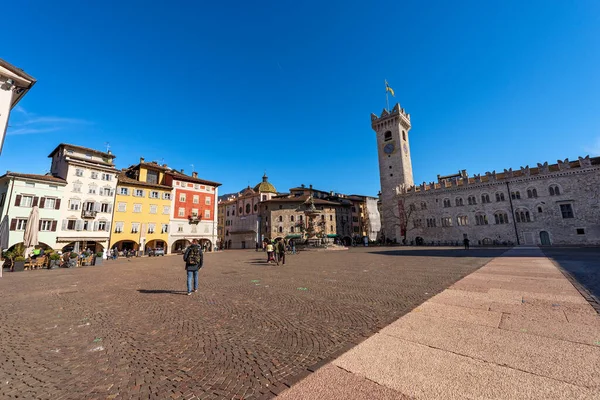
<point>389,148</point>
<point>405,149</point>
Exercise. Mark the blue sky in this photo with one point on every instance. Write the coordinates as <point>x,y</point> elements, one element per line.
<point>288,86</point>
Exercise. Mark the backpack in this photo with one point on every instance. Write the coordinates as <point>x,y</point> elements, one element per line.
<point>193,255</point>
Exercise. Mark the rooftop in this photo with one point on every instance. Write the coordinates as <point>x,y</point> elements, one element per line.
<point>84,149</point>
<point>35,177</point>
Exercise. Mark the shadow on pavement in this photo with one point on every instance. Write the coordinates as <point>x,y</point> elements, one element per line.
<point>457,252</point>
<point>582,263</point>
<point>181,292</point>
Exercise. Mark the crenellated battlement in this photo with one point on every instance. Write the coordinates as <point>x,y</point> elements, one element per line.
<point>461,179</point>
<point>398,114</point>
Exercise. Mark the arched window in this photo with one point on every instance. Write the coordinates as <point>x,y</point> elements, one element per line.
<point>387,136</point>
<point>291,229</point>
<point>499,196</point>
<point>423,205</point>
<point>403,135</point>
<point>554,190</point>
<point>462,220</point>
<point>248,208</point>
<point>241,210</point>
<point>501,217</point>
<point>280,229</point>
<point>446,202</point>
<point>300,218</point>
<point>255,207</point>
<point>471,200</point>
<point>515,195</point>
<point>531,193</point>
<point>485,198</point>
<point>481,219</point>
<point>292,218</point>
<point>281,218</point>
<point>522,216</point>
<point>540,209</point>
<point>459,201</point>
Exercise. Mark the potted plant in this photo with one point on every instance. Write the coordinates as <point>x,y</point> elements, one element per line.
<point>54,261</point>
<point>98,259</point>
<point>18,264</point>
<point>73,260</point>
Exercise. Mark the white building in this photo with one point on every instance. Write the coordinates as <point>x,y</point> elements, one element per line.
<point>87,205</point>
<point>19,193</point>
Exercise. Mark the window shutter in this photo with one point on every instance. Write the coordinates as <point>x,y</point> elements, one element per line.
<point>64,225</point>
<point>95,226</point>
<point>35,201</point>
<point>97,207</point>
<point>110,207</point>
<point>18,201</point>
<point>42,202</point>
<point>57,204</point>
<point>79,225</point>
<point>13,223</point>
<point>40,225</point>
<point>53,227</point>
<point>108,227</point>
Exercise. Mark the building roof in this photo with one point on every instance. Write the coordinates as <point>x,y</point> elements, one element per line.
<point>22,78</point>
<point>81,148</point>
<point>124,179</point>
<point>45,178</point>
<point>265,186</point>
<point>187,178</point>
<point>303,199</point>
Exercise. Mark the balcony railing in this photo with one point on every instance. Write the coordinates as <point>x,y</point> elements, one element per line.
<point>88,214</point>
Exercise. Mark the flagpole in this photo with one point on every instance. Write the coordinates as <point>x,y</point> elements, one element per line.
<point>387,100</point>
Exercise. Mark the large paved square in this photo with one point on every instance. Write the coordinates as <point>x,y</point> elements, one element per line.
<point>127,330</point>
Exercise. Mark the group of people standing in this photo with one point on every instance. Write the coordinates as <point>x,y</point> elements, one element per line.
<point>276,251</point>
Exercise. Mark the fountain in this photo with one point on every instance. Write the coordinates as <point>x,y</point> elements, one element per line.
<point>310,211</point>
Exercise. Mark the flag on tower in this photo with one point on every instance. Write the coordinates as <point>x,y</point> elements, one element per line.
<point>389,89</point>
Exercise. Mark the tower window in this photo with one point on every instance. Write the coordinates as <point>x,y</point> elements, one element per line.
<point>387,136</point>
<point>404,135</point>
<point>580,231</point>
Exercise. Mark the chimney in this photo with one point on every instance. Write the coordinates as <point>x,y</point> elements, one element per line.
<point>181,170</point>
<point>194,174</point>
<point>310,185</point>
<point>164,165</point>
<point>141,160</point>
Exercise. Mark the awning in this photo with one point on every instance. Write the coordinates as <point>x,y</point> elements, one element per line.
<point>293,236</point>
<point>81,239</point>
<point>332,235</point>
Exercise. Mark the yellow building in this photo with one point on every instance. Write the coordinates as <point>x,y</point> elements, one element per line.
<point>142,209</point>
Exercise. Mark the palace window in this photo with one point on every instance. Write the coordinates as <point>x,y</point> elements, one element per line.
<point>105,208</point>
<point>459,201</point>
<point>78,172</point>
<point>501,218</point>
<point>554,190</point>
<point>471,200</point>
<point>522,216</point>
<point>423,205</point>
<point>485,198</point>
<point>499,196</point>
<point>431,222</point>
<point>417,223</point>
<point>412,207</point>
<point>567,211</point>
<point>102,226</point>
<point>515,195</point>
<point>292,218</point>
<point>447,221</point>
<point>74,204</point>
<point>532,193</point>
<point>481,219</point>
<point>462,220</point>
<point>387,136</point>
<point>106,177</point>
<point>446,202</point>
<point>94,175</point>
<point>77,187</point>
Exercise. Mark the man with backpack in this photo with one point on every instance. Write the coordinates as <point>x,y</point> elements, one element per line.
<point>280,252</point>
<point>194,258</point>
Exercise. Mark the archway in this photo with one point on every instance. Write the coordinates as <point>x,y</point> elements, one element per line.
<point>180,245</point>
<point>487,242</point>
<point>155,244</point>
<point>84,246</point>
<point>205,244</point>
<point>545,238</point>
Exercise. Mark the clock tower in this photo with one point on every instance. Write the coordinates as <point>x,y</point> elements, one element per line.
<point>395,167</point>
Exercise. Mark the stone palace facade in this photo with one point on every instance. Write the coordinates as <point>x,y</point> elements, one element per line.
<point>550,204</point>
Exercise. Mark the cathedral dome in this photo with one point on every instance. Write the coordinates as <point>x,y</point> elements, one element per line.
<point>265,186</point>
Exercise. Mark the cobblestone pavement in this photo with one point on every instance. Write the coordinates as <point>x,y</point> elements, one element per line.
<point>582,263</point>
<point>126,330</point>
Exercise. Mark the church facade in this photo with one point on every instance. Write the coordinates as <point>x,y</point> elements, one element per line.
<point>550,204</point>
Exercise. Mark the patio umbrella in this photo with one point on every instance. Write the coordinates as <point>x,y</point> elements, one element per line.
<point>30,237</point>
<point>76,247</point>
<point>3,237</point>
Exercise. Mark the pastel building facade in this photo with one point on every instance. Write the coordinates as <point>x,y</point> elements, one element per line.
<point>141,217</point>
<point>19,193</point>
<point>88,196</point>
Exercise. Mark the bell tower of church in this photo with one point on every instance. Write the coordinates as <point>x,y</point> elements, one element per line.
<point>395,166</point>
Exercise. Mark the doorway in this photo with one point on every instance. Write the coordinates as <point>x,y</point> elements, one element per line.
<point>545,238</point>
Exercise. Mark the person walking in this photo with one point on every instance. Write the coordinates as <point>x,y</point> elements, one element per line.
<point>466,243</point>
<point>194,258</point>
<point>271,253</point>
<point>281,252</point>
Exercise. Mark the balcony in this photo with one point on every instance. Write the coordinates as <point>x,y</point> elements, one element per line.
<point>194,219</point>
<point>88,214</point>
